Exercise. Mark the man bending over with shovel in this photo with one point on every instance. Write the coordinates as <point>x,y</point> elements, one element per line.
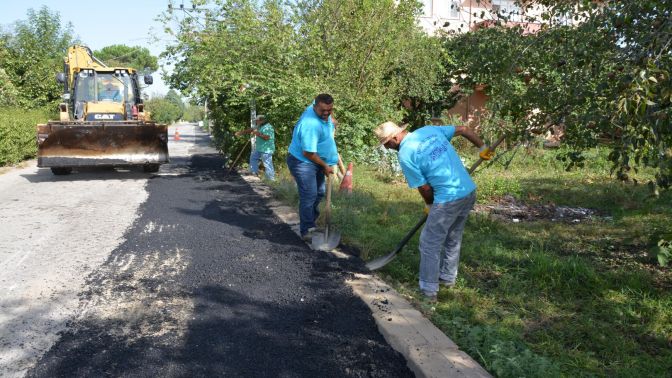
<point>312,152</point>
<point>431,165</point>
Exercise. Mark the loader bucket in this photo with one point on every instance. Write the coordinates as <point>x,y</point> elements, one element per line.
<point>88,144</point>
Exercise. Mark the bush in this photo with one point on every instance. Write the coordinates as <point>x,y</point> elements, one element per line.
<point>17,134</point>
<point>163,111</point>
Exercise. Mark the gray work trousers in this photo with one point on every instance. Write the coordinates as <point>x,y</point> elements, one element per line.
<point>440,242</point>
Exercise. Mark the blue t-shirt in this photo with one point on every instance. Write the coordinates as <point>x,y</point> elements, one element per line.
<point>427,157</point>
<point>313,134</point>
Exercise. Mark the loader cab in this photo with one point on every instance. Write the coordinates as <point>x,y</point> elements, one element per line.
<point>104,95</point>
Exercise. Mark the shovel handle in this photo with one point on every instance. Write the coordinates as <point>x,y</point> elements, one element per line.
<point>327,214</point>
<point>410,234</point>
<point>341,166</point>
<point>492,147</point>
<point>233,165</point>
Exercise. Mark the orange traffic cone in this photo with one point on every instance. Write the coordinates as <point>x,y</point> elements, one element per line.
<point>177,135</point>
<point>346,184</point>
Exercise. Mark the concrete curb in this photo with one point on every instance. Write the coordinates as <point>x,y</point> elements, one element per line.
<point>428,351</point>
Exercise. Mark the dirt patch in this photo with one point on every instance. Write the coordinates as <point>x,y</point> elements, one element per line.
<point>134,300</point>
<point>510,209</point>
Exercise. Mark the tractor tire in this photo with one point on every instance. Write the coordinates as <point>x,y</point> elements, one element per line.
<point>150,168</point>
<point>60,171</point>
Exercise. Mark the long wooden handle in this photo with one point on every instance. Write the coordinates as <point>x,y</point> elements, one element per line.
<point>238,157</point>
<point>341,166</point>
<point>480,160</point>
<point>328,208</point>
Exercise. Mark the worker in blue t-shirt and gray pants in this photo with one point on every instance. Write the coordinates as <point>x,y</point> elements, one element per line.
<point>312,152</point>
<point>431,165</point>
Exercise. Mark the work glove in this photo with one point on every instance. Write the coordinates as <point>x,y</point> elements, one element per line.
<point>426,210</point>
<point>486,153</point>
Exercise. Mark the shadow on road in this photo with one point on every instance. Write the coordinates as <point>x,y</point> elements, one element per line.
<point>88,174</point>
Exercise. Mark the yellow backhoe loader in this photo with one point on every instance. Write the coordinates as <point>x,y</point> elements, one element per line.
<point>102,120</point>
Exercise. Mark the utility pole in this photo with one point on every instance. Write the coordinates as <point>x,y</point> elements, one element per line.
<point>186,10</point>
<point>253,121</point>
<point>205,115</point>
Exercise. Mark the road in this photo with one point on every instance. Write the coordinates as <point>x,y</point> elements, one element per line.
<point>181,273</point>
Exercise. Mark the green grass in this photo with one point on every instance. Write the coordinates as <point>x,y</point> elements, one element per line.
<point>537,298</point>
<point>18,134</point>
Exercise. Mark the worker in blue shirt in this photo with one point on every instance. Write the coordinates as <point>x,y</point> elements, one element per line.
<point>431,165</point>
<point>312,152</point>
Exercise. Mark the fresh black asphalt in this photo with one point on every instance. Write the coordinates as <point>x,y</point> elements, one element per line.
<point>260,302</point>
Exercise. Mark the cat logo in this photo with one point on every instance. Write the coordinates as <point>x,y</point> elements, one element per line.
<point>103,116</point>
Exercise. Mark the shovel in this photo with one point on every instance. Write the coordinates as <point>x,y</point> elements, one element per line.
<point>330,239</point>
<point>233,165</point>
<point>381,261</point>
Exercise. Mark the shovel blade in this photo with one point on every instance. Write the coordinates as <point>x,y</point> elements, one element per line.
<point>381,261</point>
<point>320,243</point>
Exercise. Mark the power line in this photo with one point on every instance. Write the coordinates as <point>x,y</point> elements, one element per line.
<point>187,10</point>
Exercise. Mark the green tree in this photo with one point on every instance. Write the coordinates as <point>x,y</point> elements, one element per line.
<point>34,54</point>
<point>605,77</point>
<point>8,94</point>
<point>126,56</point>
<point>163,110</point>
<point>193,113</point>
<point>282,54</point>
<point>176,100</point>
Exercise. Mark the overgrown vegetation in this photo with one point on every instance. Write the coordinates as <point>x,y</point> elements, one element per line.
<point>166,109</point>
<point>601,70</point>
<point>31,55</point>
<point>543,298</point>
<point>17,133</point>
<point>368,54</point>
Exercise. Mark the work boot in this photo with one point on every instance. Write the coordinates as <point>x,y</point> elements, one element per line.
<point>447,284</point>
<point>308,236</point>
<point>429,297</point>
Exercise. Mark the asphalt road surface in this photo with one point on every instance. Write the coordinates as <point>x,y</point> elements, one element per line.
<point>184,273</point>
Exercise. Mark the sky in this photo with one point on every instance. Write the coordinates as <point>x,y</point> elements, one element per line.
<point>102,23</point>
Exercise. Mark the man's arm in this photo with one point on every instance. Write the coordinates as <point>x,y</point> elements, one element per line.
<point>315,158</point>
<point>427,193</point>
<point>246,131</point>
<point>262,136</point>
<point>469,134</point>
<point>486,153</point>
<point>253,132</point>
